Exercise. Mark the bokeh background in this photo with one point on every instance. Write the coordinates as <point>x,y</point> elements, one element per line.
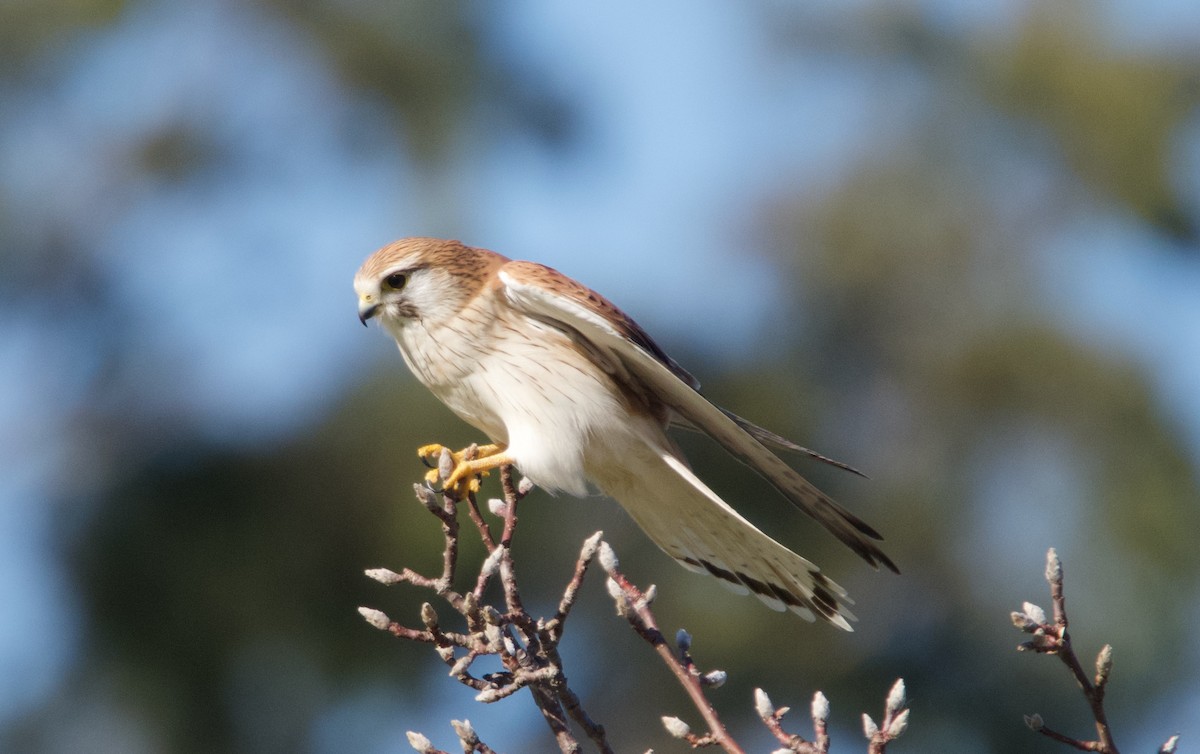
<point>955,243</point>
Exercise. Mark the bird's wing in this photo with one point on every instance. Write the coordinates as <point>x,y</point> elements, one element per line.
<point>692,524</point>
<point>767,437</point>
<point>627,352</point>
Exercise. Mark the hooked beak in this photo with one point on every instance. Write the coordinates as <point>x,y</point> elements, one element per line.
<point>366,310</point>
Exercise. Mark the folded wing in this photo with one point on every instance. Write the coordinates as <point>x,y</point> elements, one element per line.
<point>634,359</point>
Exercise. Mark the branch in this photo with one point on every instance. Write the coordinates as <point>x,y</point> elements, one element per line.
<point>895,720</point>
<point>634,605</point>
<point>527,647</point>
<point>1052,638</point>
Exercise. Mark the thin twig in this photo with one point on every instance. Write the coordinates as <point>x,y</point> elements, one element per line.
<point>552,713</point>
<point>527,648</point>
<point>642,620</point>
<point>556,624</point>
<point>485,532</point>
<point>1053,638</point>
<point>512,595</point>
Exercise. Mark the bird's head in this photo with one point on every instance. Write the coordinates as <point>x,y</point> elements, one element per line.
<point>419,278</point>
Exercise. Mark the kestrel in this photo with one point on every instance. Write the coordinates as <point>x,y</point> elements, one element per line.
<point>570,390</point>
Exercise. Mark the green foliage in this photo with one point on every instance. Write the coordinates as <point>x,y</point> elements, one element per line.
<point>420,57</point>
<point>30,27</point>
<point>1115,114</point>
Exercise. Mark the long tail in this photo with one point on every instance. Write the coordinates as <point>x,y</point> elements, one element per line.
<point>689,522</point>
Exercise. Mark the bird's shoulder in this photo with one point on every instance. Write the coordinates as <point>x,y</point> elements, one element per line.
<point>574,304</point>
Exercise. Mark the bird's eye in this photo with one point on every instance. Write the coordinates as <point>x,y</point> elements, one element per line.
<point>396,280</point>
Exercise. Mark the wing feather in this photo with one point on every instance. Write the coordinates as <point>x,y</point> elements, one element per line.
<point>633,357</point>
<point>767,437</point>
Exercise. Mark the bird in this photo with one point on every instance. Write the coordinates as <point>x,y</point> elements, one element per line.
<point>573,392</point>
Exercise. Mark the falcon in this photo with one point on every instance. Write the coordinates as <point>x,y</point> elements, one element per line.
<point>570,390</point>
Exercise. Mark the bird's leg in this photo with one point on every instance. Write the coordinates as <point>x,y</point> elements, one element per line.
<point>469,463</point>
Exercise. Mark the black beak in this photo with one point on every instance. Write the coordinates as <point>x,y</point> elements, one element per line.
<point>366,311</point>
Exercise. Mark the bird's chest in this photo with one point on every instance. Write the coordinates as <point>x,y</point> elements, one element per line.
<point>508,376</point>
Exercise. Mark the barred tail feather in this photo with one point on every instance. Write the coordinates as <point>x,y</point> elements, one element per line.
<point>693,525</point>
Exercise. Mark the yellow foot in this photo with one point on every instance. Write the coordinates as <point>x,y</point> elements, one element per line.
<point>468,465</point>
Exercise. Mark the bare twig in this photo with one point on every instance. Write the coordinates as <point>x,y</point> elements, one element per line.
<point>895,720</point>
<point>634,605</point>
<point>527,648</point>
<point>556,624</point>
<point>773,719</point>
<point>1052,638</point>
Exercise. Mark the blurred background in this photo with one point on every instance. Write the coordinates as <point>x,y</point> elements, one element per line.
<point>954,243</point>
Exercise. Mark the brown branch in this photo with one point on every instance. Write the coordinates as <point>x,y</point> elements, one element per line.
<point>555,625</point>
<point>512,495</point>
<point>895,720</point>
<point>508,577</point>
<point>485,531</point>
<point>633,605</point>
<point>1035,723</point>
<point>527,648</point>
<point>773,719</point>
<point>1053,638</point>
<point>574,708</point>
<point>552,713</point>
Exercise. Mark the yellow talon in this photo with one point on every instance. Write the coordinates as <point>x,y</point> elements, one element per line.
<point>469,464</point>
